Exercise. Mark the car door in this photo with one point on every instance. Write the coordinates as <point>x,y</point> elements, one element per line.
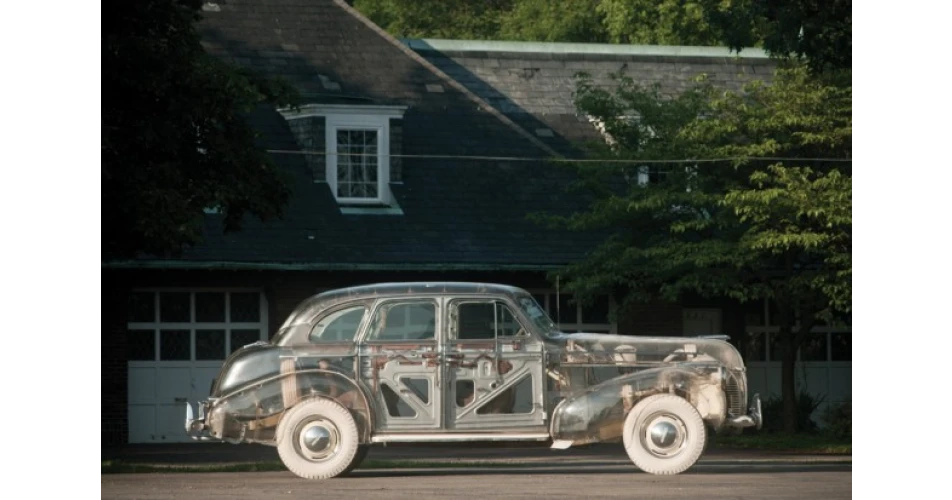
<point>493,368</point>
<point>399,363</point>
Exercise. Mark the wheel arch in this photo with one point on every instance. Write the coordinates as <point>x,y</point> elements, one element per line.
<point>597,414</point>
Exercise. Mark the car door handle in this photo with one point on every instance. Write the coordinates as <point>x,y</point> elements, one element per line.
<point>181,400</point>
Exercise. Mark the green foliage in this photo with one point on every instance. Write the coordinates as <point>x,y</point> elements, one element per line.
<point>806,405</point>
<point>839,420</point>
<point>746,228</point>
<point>547,21</point>
<point>657,22</point>
<point>668,22</point>
<point>175,138</point>
<point>463,19</point>
<point>820,32</point>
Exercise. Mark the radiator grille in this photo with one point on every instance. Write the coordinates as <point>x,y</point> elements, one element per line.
<point>736,394</point>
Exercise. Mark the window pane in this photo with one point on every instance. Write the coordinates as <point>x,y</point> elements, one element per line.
<point>174,307</point>
<point>243,337</point>
<point>475,321</point>
<point>140,345</point>
<point>245,307</point>
<point>597,312</point>
<point>175,345</point>
<point>405,321</point>
<point>508,325</point>
<point>842,346</point>
<point>755,349</point>
<point>540,298</point>
<point>209,344</point>
<point>814,348</point>
<point>567,311</point>
<point>210,307</point>
<point>142,307</point>
<point>339,326</point>
<point>775,346</point>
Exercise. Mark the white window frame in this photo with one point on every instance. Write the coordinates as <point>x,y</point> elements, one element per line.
<point>378,124</point>
<point>192,325</point>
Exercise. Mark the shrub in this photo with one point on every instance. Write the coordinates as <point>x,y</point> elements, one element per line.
<point>839,420</point>
<point>773,412</point>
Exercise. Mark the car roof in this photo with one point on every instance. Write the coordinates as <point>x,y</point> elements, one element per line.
<point>316,303</point>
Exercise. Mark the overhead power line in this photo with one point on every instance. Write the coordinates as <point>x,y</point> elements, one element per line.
<point>565,160</point>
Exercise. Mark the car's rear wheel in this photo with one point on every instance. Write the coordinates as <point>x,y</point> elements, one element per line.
<point>664,434</point>
<point>318,439</point>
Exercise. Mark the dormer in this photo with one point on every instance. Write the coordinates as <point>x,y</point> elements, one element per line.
<point>350,147</point>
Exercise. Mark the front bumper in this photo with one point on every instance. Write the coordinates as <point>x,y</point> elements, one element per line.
<point>754,417</point>
<point>196,427</point>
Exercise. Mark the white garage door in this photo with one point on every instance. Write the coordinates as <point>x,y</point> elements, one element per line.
<point>177,340</point>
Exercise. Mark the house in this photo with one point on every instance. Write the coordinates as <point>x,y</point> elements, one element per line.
<point>411,160</point>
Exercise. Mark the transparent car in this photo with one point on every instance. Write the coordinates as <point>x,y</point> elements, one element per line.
<point>464,362</point>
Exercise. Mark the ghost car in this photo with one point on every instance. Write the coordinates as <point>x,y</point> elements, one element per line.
<point>437,362</point>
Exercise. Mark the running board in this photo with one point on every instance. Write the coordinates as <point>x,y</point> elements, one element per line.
<point>433,437</point>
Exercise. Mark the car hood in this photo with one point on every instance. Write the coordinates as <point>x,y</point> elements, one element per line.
<point>599,348</point>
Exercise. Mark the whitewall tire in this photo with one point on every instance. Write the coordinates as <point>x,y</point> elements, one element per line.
<point>664,434</point>
<point>318,439</point>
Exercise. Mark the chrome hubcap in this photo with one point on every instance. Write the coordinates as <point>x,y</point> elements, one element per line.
<point>318,439</point>
<point>664,435</point>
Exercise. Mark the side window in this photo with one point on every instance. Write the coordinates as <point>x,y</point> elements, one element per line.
<point>484,321</point>
<point>404,321</point>
<point>339,326</point>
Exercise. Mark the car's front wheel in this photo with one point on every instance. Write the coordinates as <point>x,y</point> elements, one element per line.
<point>664,434</point>
<point>318,439</point>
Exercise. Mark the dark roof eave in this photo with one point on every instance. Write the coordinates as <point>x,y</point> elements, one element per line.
<point>321,266</point>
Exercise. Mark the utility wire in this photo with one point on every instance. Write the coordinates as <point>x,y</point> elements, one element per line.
<point>565,160</point>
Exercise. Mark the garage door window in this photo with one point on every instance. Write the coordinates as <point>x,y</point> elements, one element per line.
<point>192,325</point>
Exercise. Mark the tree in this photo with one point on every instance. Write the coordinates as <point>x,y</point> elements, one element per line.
<point>463,19</point>
<point>175,134</point>
<point>670,22</point>
<point>547,21</point>
<point>658,22</point>
<point>818,31</point>
<point>770,220</point>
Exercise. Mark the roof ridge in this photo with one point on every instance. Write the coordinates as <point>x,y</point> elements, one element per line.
<point>446,78</point>
<point>576,48</point>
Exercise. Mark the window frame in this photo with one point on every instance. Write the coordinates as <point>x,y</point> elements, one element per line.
<point>367,335</point>
<point>453,316</point>
<point>339,312</point>
<point>193,326</point>
<point>376,123</point>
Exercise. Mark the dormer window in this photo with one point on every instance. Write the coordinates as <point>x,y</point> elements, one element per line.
<point>358,159</point>
<point>349,148</point>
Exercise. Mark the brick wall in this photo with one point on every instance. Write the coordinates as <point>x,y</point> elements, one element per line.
<point>114,373</point>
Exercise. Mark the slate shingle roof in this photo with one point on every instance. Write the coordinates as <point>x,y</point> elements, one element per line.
<point>460,214</point>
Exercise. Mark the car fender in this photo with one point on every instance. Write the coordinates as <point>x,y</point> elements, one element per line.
<point>597,413</point>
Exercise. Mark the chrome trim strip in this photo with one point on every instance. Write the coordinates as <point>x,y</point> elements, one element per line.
<point>457,437</point>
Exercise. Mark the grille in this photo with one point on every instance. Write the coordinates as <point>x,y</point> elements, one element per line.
<point>736,394</point>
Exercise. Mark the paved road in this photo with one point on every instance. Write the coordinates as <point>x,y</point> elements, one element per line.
<point>709,481</point>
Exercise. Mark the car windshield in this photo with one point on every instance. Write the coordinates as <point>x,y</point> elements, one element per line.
<point>538,316</point>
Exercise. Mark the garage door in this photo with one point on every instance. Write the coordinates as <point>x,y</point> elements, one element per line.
<point>177,340</point>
